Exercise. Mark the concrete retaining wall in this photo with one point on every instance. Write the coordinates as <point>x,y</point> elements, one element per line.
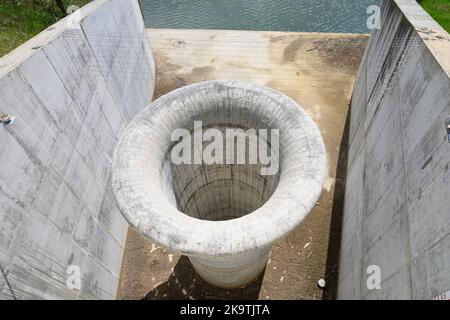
<point>397,203</point>
<point>72,89</point>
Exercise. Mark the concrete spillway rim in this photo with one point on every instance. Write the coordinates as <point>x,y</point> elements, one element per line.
<point>136,174</point>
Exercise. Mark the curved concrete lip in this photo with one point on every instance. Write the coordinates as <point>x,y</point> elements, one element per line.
<point>139,160</point>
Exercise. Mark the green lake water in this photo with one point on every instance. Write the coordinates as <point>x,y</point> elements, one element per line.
<point>272,15</point>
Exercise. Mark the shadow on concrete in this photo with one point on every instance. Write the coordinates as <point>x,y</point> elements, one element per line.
<point>185,283</point>
<point>334,242</point>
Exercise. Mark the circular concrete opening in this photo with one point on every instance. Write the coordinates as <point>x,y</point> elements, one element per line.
<point>223,214</point>
<point>219,192</point>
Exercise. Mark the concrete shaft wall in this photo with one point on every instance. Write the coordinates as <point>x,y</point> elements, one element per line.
<point>225,252</point>
<point>73,89</point>
<point>397,198</point>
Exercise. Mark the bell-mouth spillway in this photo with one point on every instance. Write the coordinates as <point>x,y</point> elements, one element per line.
<point>224,217</point>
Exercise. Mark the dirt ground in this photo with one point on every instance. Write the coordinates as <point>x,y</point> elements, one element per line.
<point>317,70</point>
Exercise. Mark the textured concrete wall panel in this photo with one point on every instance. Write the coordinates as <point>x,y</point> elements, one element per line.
<point>399,156</point>
<point>72,89</point>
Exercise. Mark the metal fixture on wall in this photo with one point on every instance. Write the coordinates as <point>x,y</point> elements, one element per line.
<point>6,119</point>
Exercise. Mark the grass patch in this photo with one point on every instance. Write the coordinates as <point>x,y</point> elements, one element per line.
<point>439,10</point>
<point>21,20</point>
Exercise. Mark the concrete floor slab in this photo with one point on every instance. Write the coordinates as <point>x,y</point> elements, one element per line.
<point>317,70</point>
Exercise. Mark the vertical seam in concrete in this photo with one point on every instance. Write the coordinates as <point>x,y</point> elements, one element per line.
<point>405,178</point>
<point>362,222</point>
<point>103,76</point>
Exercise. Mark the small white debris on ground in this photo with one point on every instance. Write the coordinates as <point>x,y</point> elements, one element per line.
<point>154,247</point>
<point>321,283</point>
<point>329,183</point>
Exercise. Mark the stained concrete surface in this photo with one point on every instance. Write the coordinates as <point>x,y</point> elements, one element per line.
<point>317,70</point>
